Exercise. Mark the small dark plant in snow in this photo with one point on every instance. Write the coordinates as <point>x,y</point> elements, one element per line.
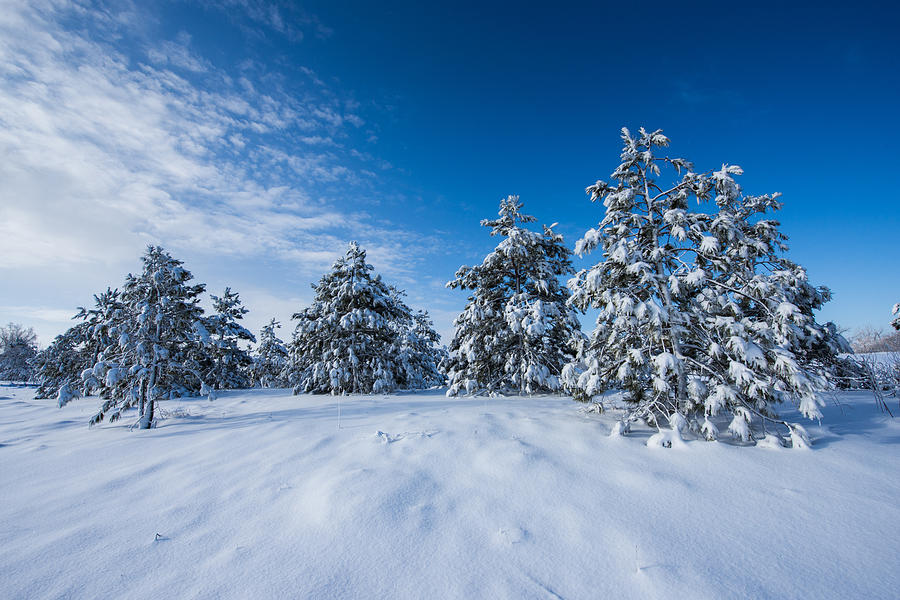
<point>701,314</point>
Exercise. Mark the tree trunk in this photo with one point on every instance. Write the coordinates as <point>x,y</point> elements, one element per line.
<point>666,298</point>
<point>147,418</point>
<point>147,405</point>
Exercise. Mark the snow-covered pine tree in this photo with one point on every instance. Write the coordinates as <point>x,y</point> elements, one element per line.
<point>64,369</point>
<point>896,322</point>
<point>270,359</point>
<point>349,340</point>
<point>700,314</point>
<point>516,331</point>
<point>757,302</point>
<point>225,364</point>
<point>420,353</point>
<point>640,315</point>
<point>156,334</point>
<point>61,363</point>
<point>18,346</point>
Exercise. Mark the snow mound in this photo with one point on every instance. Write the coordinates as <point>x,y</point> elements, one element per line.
<point>666,438</point>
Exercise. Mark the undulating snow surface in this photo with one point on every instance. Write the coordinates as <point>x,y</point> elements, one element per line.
<point>260,494</point>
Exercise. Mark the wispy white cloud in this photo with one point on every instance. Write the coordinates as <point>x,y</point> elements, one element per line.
<point>178,54</point>
<point>53,315</point>
<point>140,150</point>
<point>107,148</point>
<point>284,17</point>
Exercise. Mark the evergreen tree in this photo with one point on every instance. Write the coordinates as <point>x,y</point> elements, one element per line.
<point>271,358</point>
<point>61,363</point>
<point>18,346</point>
<point>225,365</point>
<point>700,313</point>
<point>896,322</point>
<point>156,336</point>
<point>99,335</point>
<point>420,354</point>
<point>516,331</point>
<point>65,368</point>
<point>350,339</point>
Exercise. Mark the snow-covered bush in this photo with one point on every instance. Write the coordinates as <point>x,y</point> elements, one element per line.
<point>358,336</point>
<point>871,339</point>
<point>878,372</point>
<point>700,312</point>
<point>516,331</point>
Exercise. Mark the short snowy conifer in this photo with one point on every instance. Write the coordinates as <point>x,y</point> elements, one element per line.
<point>896,321</point>
<point>155,333</point>
<point>225,364</point>
<point>61,363</point>
<point>516,331</point>
<point>419,353</point>
<point>18,346</point>
<point>270,359</point>
<point>76,351</point>
<point>700,314</point>
<point>354,337</point>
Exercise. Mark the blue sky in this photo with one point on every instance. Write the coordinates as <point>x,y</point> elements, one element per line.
<point>254,139</point>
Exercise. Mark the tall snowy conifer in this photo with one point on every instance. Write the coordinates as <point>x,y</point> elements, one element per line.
<point>516,332</point>
<point>351,339</point>
<point>270,359</point>
<point>156,333</point>
<point>700,314</point>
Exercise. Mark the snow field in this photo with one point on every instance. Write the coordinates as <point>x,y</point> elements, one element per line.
<point>262,494</point>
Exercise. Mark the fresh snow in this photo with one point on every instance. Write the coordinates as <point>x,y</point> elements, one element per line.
<point>261,494</point>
